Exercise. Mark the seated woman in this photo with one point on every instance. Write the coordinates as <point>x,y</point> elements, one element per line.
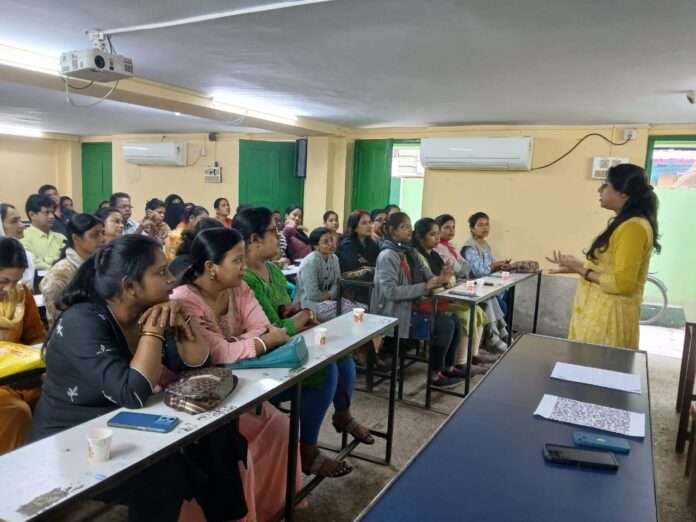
<point>478,254</point>
<point>295,234</point>
<point>401,280</point>
<point>154,225</point>
<point>331,223</point>
<point>357,251</point>
<point>269,285</point>
<point>317,278</point>
<point>426,236</point>
<point>222,211</point>
<point>189,219</point>
<point>19,323</point>
<point>85,235</point>
<point>11,226</point>
<point>182,261</point>
<point>495,318</point>
<point>109,349</point>
<point>113,223</point>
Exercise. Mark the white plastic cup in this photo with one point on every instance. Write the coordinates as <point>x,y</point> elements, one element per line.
<point>320,335</point>
<point>358,315</point>
<point>480,283</point>
<point>99,444</point>
<point>505,276</point>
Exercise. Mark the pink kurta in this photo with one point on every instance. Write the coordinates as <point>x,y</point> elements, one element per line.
<point>266,433</point>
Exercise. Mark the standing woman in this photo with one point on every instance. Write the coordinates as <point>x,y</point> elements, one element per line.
<point>607,302</point>
<point>11,226</point>
<point>85,235</point>
<point>222,211</point>
<point>331,223</point>
<point>401,280</point>
<point>113,223</point>
<point>108,350</point>
<point>295,234</point>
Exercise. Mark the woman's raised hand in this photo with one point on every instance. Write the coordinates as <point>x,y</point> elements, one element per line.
<point>563,263</point>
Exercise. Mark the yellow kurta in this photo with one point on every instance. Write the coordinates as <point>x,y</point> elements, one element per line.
<point>608,312</point>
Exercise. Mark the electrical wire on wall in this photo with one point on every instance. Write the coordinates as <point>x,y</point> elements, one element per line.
<point>233,123</point>
<point>71,102</point>
<point>578,144</point>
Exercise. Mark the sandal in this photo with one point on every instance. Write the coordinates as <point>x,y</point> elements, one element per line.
<point>342,470</point>
<point>350,427</point>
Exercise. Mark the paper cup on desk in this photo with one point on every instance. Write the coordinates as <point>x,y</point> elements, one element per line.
<point>470,286</point>
<point>99,444</point>
<point>358,315</point>
<point>480,283</point>
<point>319,336</point>
<point>505,276</point>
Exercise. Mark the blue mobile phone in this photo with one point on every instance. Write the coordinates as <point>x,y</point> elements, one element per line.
<point>602,442</point>
<point>143,421</point>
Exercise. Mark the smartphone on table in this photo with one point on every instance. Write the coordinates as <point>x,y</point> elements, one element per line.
<point>143,422</point>
<point>581,458</point>
<point>601,442</point>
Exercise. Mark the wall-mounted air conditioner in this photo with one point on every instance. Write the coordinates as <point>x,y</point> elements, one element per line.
<point>477,153</point>
<point>159,153</point>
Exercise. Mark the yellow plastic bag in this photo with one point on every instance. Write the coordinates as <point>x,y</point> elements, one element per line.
<point>19,358</point>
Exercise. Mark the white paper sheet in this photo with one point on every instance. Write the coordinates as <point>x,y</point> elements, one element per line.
<point>623,422</point>
<point>629,382</point>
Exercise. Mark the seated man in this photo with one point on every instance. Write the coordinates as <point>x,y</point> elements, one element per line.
<point>43,243</point>
<point>61,212</point>
<point>122,202</point>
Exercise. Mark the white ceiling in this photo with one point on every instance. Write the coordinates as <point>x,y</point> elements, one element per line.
<point>375,63</point>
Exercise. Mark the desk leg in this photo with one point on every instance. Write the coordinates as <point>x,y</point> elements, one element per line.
<point>686,352</point>
<point>392,400</point>
<point>428,391</point>
<point>295,405</point>
<point>511,309</point>
<point>687,396</point>
<point>536,304</point>
<point>338,300</point>
<point>470,346</point>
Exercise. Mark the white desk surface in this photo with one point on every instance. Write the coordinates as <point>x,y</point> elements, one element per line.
<point>291,270</point>
<point>486,292</point>
<point>53,470</point>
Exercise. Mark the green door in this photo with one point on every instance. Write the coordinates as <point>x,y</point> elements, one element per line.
<point>371,174</point>
<point>267,175</point>
<point>96,175</point>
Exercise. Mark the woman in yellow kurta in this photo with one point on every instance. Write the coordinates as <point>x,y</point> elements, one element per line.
<point>607,302</point>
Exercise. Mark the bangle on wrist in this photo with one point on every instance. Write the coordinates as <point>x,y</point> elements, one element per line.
<point>587,274</point>
<point>152,334</point>
<point>262,343</point>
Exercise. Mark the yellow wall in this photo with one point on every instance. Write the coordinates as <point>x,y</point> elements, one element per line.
<point>534,212</point>
<point>28,163</point>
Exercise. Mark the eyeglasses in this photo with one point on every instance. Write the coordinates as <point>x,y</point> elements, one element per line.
<point>327,242</point>
<point>405,226</point>
<point>272,229</point>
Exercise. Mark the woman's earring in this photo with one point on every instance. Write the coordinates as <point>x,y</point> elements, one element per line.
<point>213,276</point>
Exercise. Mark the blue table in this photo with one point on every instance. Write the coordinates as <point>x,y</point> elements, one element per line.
<point>485,463</point>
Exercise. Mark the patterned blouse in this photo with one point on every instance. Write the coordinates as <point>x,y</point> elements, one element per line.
<point>272,294</point>
<point>480,257</point>
<point>88,370</point>
<point>56,280</point>
<point>317,275</point>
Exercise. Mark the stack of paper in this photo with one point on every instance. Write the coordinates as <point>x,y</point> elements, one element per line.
<point>629,382</point>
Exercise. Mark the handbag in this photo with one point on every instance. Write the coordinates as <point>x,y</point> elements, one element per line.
<point>365,273</point>
<point>425,306</point>
<point>292,354</point>
<point>199,390</point>
<point>521,267</point>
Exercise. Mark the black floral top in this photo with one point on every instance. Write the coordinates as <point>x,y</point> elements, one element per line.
<point>88,370</point>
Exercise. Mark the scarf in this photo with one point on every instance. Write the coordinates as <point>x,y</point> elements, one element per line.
<point>451,249</point>
<point>480,249</point>
<point>433,258</point>
<point>407,252</point>
<point>12,309</point>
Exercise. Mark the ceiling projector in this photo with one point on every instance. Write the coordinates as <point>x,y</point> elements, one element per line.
<point>95,65</point>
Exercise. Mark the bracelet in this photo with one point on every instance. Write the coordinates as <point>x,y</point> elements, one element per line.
<point>312,315</point>
<point>587,274</point>
<point>262,343</point>
<point>153,334</point>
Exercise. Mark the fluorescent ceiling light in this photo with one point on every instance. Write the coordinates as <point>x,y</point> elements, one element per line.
<point>251,107</point>
<point>28,60</point>
<point>21,131</point>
